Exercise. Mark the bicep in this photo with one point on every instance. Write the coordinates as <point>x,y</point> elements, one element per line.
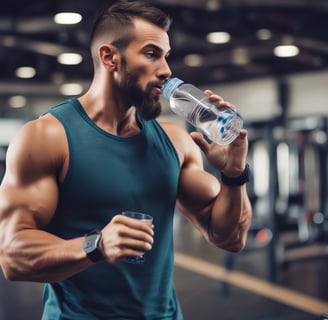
<point>30,205</point>
<point>197,189</point>
<point>29,190</point>
<point>197,193</point>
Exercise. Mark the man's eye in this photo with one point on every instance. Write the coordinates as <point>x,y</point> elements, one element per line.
<point>151,54</point>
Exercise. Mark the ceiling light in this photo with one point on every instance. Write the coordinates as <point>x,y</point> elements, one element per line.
<point>71,89</point>
<point>264,34</point>
<point>240,56</point>
<point>193,60</point>
<point>25,72</point>
<point>8,41</point>
<point>17,101</point>
<point>218,37</point>
<point>69,58</point>
<point>213,5</point>
<point>284,51</point>
<point>67,18</point>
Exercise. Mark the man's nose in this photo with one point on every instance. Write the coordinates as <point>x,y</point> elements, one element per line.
<point>165,70</point>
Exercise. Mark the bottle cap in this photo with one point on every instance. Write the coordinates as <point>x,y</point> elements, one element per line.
<point>169,86</point>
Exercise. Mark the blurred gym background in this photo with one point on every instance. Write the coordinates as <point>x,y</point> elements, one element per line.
<point>269,58</point>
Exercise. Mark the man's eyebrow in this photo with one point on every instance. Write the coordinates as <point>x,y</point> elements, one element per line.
<point>156,48</point>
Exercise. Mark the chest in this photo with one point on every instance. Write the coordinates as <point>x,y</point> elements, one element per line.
<point>115,175</point>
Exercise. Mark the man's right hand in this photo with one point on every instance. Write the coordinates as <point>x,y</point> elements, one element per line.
<point>125,237</point>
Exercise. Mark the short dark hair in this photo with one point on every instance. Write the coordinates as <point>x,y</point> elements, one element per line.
<point>116,22</point>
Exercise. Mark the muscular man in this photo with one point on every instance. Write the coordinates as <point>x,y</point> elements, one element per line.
<point>72,172</point>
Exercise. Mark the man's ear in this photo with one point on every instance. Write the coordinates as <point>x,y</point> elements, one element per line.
<point>109,56</point>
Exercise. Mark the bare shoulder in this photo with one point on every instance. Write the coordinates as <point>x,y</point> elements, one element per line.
<point>39,145</point>
<point>35,160</point>
<point>185,146</point>
<point>46,126</point>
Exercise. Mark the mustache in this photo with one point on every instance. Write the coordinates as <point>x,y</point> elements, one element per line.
<point>154,84</point>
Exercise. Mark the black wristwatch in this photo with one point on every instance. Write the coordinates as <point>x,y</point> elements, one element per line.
<point>91,246</point>
<point>236,181</point>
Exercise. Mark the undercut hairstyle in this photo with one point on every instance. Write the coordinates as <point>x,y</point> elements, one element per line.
<point>115,24</point>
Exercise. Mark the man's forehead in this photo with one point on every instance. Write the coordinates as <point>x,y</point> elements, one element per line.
<point>150,34</point>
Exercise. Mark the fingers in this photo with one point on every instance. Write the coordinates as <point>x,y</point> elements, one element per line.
<point>241,139</point>
<point>124,237</point>
<point>200,141</point>
<point>142,225</point>
<point>215,98</point>
<point>136,234</point>
<point>136,238</point>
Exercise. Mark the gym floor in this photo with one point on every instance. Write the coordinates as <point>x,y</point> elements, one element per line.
<point>209,291</point>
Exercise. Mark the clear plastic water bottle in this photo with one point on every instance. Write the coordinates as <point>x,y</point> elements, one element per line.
<point>221,126</point>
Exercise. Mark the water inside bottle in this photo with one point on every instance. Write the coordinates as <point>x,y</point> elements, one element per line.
<point>200,115</point>
<point>222,127</point>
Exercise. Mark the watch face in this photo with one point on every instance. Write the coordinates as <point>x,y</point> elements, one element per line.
<point>91,246</point>
<point>91,243</point>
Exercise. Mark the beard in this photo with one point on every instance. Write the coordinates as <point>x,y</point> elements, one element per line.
<point>148,106</point>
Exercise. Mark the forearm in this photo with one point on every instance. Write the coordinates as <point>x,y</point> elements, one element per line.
<point>230,219</point>
<point>35,255</point>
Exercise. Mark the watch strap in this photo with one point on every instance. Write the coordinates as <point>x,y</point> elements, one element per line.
<point>237,181</point>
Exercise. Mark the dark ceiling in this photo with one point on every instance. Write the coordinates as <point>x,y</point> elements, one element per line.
<point>29,37</point>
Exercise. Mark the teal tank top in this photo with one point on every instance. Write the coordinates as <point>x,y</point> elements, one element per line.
<point>107,175</point>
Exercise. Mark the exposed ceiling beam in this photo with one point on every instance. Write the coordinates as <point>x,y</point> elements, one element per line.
<point>37,46</point>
